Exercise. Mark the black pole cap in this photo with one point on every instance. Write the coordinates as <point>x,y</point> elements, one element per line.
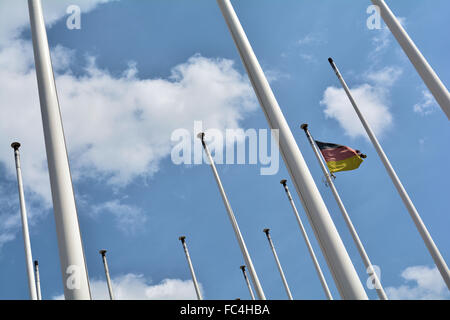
<point>36,263</point>
<point>333,65</point>
<point>102,252</point>
<point>201,136</point>
<point>182,238</point>
<point>304,126</point>
<point>266,231</point>
<point>15,145</point>
<point>242,268</point>
<point>283,182</point>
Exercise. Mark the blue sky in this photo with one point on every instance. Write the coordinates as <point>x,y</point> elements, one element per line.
<point>138,70</point>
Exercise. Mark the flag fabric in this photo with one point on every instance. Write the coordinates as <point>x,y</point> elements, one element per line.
<point>340,158</point>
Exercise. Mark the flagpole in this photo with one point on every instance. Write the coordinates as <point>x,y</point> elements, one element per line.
<point>247,282</point>
<point>426,72</point>
<point>73,265</point>
<point>362,252</point>
<point>308,243</point>
<point>26,233</point>
<point>38,280</point>
<point>280,269</point>
<point>240,239</point>
<point>191,268</point>
<point>338,260</point>
<point>432,248</point>
<point>108,278</point>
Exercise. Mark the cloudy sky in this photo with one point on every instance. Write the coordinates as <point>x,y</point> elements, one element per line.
<point>137,71</point>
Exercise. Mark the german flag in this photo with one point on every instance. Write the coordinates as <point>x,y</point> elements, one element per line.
<point>340,158</point>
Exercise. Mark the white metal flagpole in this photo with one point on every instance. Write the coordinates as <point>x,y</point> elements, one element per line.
<point>26,234</point>
<point>362,252</point>
<point>432,248</point>
<point>108,277</point>
<point>247,282</point>
<point>191,268</point>
<point>240,239</point>
<point>280,269</point>
<point>338,260</point>
<point>73,266</point>
<point>38,280</point>
<point>431,79</point>
<point>323,282</point>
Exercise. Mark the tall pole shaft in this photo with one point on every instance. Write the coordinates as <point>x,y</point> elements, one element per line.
<point>362,252</point>
<point>426,72</point>
<point>240,239</point>
<point>25,232</point>
<point>248,283</point>
<point>280,269</point>
<point>38,280</point>
<point>432,248</point>
<point>191,268</point>
<point>73,266</point>
<point>338,260</point>
<point>323,282</point>
<point>108,277</point>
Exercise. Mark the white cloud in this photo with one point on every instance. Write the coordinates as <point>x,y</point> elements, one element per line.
<point>120,128</point>
<point>128,218</point>
<point>62,58</point>
<point>9,226</point>
<point>372,99</point>
<point>10,219</point>
<point>427,284</point>
<point>427,105</point>
<point>383,37</point>
<point>385,77</point>
<point>14,16</point>
<point>117,128</point>
<point>422,144</point>
<point>371,102</point>
<point>137,287</point>
<point>308,57</point>
<point>274,75</point>
<point>313,38</point>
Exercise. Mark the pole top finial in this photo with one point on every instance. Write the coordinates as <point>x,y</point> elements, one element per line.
<point>182,238</point>
<point>283,182</point>
<point>102,252</point>
<point>36,262</point>
<point>304,126</point>
<point>266,231</point>
<point>242,268</point>
<point>201,135</point>
<point>15,145</point>
<point>333,65</point>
